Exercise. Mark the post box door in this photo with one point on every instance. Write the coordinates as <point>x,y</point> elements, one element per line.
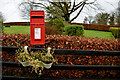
<point>37,34</point>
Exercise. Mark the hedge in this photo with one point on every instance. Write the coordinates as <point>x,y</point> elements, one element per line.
<point>115,31</point>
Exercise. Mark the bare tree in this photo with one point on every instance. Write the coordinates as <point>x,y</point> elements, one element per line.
<point>101,18</point>
<point>118,14</point>
<point>2,16</point>
<point>88,19</point>
<point>85,20</point>
<point>25,8</point>
<point>112,19</point>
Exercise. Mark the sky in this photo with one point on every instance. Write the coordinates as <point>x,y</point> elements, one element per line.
<point>10,10</point>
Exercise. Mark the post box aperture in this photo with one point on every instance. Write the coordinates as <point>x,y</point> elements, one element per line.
<point>37,27</point>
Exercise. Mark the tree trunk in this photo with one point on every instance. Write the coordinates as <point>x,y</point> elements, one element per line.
<point>67,20</point>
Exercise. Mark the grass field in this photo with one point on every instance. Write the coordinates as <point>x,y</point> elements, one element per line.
<point>17,29</point>
<point>87,33</point>
<point>98,34</point>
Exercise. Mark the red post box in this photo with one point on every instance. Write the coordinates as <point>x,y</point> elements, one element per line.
<point>37,27</point>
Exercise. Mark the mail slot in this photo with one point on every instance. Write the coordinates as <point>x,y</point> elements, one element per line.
<point>37,27</point>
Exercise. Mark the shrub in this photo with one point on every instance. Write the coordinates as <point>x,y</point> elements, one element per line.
<point>1,26</point>
<point>7,25</point>
<point>57,23</point>
<point>50,30</point>
<point>74,30</point>
<point>115,31</point>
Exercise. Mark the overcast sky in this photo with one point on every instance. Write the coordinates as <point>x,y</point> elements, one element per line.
<point>10,10</point>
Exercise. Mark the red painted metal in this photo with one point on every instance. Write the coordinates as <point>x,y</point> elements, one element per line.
<point>37,27</point>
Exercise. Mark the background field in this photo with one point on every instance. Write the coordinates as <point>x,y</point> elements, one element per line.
<point>87,33</point>
<point>98,34</point>
<point>17,29</point>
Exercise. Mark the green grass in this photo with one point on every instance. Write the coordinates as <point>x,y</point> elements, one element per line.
<point>17,29</point>
<point>87,33</point>
<point>98,34</point>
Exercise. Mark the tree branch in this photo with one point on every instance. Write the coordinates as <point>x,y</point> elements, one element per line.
<point>76,7</point>
<point>91,2</point>
<point>69,5</point>
<point>78,4</point>
<point>78,12</point>
<point>54,3</point>
<point>61,7</point>
<point>66,6</point>
<point>72,7</point>
<point>38,4</point>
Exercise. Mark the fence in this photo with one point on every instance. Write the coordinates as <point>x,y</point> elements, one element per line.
<point>65,67</point>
